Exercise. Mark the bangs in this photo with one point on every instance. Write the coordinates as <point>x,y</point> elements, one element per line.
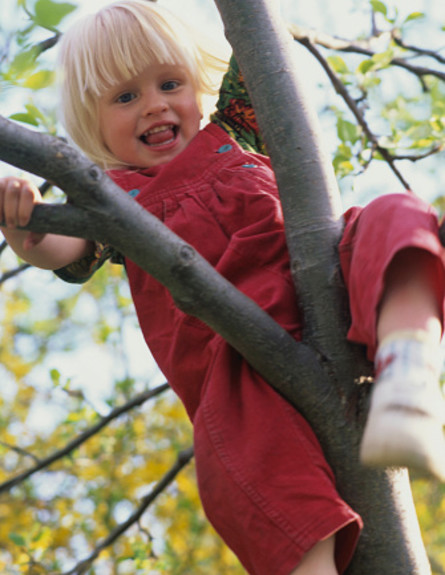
<point>123,40</point>
<point>114,45</point>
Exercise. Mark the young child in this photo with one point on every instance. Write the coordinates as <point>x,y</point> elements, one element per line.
<point>131,94</point>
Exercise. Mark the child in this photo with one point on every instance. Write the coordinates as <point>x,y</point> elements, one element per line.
<point>131,90</point>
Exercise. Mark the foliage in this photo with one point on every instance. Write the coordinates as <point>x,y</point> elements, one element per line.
<point>70,358</point>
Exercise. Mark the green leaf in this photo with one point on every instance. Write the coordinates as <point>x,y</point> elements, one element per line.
<point>25,118</point>
<point>384,58</point>
<point>414,16</point>
<point>39,80</point>
<point>378,6</point>
<point>34,111</point>
<point>365,66</point>
<point>23,62</point>
<point>338,64</point>
<point>49,14</point>
<point>347,131</point>
<point>55,376</point>
<point>17,539</point>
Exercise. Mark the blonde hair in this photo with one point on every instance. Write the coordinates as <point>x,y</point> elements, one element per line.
<point>113,45</point>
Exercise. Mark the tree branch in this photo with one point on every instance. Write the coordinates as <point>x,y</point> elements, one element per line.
<point>82,437</point>
<point>416,50</point>
<point>350,102</point>
<point>183,459</point>
<point>100,210</point>
<point>304,35</point>
<point>14,272</point>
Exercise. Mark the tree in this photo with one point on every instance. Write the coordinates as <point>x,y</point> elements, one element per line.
<point>323,366</point>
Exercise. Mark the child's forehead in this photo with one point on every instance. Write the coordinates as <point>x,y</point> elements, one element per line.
<point>116,75</point>
<point>154,71</point>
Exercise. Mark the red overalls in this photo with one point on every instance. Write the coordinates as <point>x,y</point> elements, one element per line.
<point>263,479</point>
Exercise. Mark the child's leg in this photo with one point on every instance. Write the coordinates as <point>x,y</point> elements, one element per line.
<point>406,416</point>
<point>409,301</point>
<point>319,560</point>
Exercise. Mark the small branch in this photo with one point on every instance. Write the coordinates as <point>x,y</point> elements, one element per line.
<point>305,35</point>
<point>434,150</point>
<point>47,44</point>
<point>342,91</point>
<point>83,437</point>
<point>418,51</point>
<point>183,459</point>
<point>12,273</point>
<point>20,451</point>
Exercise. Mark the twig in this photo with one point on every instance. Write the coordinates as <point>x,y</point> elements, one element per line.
<point>434,150</point>
<point>80,439</point>
<point>47,44</point>
<point>418,51</point>
<point>183,459</point>
<point>19,450</point>
<point>305,35</point>
<point>12,273</point>
<point>342,91</point>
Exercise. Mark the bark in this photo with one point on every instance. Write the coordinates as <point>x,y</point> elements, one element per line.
<point>391,542</point>
<point>317,376</point>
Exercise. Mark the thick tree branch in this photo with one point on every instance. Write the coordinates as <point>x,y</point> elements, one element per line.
<point>101,211</point>
<point>306,180</point>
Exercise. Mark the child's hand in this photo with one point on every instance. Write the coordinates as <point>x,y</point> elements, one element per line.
<point>18,196</point>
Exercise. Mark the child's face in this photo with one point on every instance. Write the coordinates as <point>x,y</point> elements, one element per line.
<point>149,119</point>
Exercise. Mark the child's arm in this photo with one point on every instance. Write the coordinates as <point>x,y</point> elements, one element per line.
<point>18,197</point>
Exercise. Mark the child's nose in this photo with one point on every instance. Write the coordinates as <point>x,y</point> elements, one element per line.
<point>155,104</point>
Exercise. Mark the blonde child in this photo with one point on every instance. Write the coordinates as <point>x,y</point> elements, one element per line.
<point>132,81</point>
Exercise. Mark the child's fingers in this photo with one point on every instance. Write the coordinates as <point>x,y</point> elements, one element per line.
<point>4,183</point>
<point>17,199</point>
<point>28,197</point>
<point>10,202</point>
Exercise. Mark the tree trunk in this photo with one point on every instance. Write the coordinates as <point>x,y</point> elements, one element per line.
<point>391,541</point>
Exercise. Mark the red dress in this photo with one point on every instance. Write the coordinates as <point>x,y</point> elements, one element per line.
<point>263,479</point>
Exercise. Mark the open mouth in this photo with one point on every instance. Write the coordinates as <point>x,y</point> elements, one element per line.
<point>159,135</point>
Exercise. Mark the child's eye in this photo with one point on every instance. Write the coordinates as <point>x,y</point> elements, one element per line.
<point>169,85</point>
<point>125,98</point>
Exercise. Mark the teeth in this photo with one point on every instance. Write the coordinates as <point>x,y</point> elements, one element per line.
<point>157,129</point>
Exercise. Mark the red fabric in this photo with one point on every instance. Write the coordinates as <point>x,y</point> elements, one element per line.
<point>372,237</point>
<point>263,479</point>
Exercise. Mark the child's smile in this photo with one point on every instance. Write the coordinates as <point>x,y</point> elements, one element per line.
<point>148,120</point>
<point>160,135</point>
